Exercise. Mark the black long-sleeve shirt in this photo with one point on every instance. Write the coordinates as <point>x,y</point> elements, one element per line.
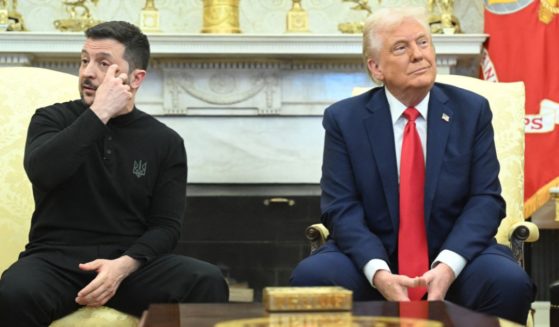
<point>120,184</point>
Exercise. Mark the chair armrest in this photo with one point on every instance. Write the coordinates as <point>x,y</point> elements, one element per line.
<point>524,231</point>
<point>519,233</point>
<point>317,235</point>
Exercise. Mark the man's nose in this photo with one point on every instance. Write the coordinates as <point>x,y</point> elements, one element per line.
<point>415,52</point>
<point>89,70</point>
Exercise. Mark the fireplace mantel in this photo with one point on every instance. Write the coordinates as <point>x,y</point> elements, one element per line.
<point>37,45</point>
<point>248,106</point>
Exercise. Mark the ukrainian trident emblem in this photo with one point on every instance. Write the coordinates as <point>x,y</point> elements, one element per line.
<point>140,168</point>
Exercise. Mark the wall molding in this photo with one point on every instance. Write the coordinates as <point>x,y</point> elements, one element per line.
<point>249,107</point>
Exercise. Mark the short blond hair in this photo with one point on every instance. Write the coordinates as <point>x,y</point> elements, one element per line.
<point>385,19</point>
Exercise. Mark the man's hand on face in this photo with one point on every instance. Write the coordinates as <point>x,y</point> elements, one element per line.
<point>110,273</point>
<point>112,96</point>
<point>394,287</point>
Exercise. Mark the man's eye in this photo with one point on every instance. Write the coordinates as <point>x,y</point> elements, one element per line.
<point>399,49</point>
<point>423,42</point>
<point>84,62</point>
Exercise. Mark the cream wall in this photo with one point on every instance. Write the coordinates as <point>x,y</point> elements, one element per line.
<point>249,107</point>
<point>256,16</point>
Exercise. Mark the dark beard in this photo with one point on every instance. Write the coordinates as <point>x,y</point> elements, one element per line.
<point>86,82</point>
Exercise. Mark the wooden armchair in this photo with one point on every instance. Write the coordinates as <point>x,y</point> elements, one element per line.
<point>22,90</point>
<point>507,105</point>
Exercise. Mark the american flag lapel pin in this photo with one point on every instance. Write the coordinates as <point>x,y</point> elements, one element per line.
<point>446,118</point>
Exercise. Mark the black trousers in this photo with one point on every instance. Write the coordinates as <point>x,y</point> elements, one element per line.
<point>43,284</point>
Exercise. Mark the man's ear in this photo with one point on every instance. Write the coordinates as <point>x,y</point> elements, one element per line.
<point>375,70</point>
<point>137,77</point>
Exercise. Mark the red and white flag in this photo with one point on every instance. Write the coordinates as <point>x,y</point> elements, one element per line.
<point>523,45</point>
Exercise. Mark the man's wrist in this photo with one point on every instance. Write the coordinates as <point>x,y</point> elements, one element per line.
<point>379,275</point>
<point>130,263</point>
<point>452,259</point>
<point>103,116</point>
<point>372,267</point>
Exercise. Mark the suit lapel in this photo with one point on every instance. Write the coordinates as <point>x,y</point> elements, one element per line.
<point>381,139</point>
<point>439,122</point>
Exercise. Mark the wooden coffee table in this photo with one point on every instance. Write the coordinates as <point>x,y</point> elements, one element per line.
<point>201,314</point>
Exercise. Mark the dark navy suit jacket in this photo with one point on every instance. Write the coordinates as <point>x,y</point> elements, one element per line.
<point>463,205</point>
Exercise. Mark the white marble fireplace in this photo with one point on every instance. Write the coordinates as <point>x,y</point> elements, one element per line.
<point>248,106</point>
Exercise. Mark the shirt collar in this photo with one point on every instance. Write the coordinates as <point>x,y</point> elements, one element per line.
<point>126,118</point>
<point>397,108</point>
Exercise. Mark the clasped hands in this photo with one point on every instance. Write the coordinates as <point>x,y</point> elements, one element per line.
<point>395,287</point>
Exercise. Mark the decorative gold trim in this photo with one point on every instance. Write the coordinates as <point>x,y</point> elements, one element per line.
<point>286,299</point>
<point>328,319</point>
<point>546,5</point>
<point>547,10</point>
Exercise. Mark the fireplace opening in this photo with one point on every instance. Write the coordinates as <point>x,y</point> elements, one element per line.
<point>254,233</point>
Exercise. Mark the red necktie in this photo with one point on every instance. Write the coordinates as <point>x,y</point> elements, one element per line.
<point>412,240</point>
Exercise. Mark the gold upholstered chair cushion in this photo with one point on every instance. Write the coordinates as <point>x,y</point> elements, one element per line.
<point>96,317</point>
<point>507,106</point>
<point>22,91</point>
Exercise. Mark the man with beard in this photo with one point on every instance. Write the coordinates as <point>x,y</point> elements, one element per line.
<point>109,183</point>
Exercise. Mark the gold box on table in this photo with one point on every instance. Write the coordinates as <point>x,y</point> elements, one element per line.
<point>318,298</point>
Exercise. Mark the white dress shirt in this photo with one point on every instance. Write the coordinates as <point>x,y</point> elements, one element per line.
<point>455,261</point>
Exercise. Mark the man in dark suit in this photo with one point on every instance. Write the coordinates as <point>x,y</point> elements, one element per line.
<point>368,191</point>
